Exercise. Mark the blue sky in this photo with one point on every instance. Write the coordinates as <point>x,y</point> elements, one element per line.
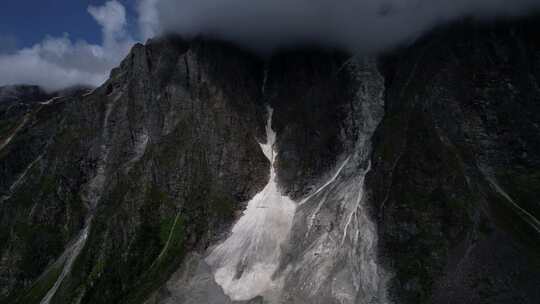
<point>61,43</point>
<point>26,22</point>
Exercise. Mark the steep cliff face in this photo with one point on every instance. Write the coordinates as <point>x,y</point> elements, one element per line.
<point>199,169</point>
<point>331,255</point>
<point>152,164</point>
<point>455,180</point>
<point>312,93</point>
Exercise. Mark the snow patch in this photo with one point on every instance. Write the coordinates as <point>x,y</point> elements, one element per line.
<point>246,261</point>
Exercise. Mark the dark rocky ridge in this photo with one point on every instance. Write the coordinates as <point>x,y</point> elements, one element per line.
<point>462,108</point>
<point>173,135</point>
<point>193,153</point>
<point>23,94</point>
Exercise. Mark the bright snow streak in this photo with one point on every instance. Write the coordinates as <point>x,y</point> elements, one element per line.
<point>245,262</point>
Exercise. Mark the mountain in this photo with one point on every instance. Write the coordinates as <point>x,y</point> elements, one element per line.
<point>202,173</point>
<point>22,94</point>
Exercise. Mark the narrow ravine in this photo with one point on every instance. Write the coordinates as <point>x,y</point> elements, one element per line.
<point>527,217</point>
<point>67,259</point>
<point>91,197</point>
<point>24,122</point>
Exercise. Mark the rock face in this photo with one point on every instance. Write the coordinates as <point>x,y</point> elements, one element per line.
<point>456,165</point>
<point>155,162</point>
<point>331,256</point>
<point>414,176</point>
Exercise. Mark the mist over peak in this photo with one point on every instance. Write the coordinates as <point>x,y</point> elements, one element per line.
<point>356,25</point>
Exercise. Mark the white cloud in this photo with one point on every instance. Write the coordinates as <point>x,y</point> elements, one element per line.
<point>148,18</point>
<point>60,62</point>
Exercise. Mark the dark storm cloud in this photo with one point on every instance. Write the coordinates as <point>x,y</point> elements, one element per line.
<point>359,25</point>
